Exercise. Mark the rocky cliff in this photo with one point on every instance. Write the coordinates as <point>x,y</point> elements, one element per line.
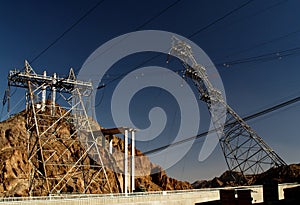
<point>284,174</point>
<point>14,164</point>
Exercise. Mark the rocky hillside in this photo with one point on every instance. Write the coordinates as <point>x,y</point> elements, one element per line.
<point>14,164</point>
<point>284,174</point>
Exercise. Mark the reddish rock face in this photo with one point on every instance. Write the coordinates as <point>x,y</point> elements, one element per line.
<point>14,165</point>
<point>284,174</point>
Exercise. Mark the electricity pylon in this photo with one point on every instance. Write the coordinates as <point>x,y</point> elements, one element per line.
<point>244,150</point>
<point>62,150</point>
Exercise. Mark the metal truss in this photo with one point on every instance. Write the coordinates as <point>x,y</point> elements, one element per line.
<point>61,154</point>
<point>244,150</point>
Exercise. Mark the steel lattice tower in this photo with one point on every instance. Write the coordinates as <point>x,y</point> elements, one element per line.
<point>73,155</point>
<point>244,150</point>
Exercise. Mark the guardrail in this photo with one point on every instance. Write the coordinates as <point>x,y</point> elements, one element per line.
<point>102,198</point>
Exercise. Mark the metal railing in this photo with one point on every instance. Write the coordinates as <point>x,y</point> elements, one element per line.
<point>102,198</point>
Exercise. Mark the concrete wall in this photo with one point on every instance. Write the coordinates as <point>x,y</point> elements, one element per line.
<point>283,186</point>
<point>185,197</point>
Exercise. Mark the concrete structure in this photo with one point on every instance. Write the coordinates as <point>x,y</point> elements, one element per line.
<point>183,197</point>
<point>129,178</point>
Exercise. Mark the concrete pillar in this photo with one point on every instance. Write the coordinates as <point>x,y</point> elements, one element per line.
<point>110,144</point>
<point>27,98</point>
<point>44,93</point>
<point>53,93</point>
<point>132,160</point>
<point>126,162</point>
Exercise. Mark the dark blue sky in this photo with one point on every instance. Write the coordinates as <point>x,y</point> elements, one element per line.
<point>261,27</point>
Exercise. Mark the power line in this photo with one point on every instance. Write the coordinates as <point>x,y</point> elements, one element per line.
<point>67,31</point>
<point>274,55</point>
<point>220,19</point>
<point>157,15</point>
<point>262,10</point>
<point>247,118</point>
<point>124,74</point>
<point>265,43</point>
<point>263,57</point>
<point>193,34</point>
<point>260,58</point>
<point>138,28</point>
